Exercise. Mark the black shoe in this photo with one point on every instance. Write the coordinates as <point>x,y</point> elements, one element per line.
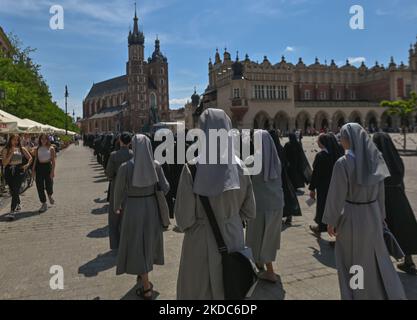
<point>409,268</point>
<point>316,231</point>
<point>288,222</point>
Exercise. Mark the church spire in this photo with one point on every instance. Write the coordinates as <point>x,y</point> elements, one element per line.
<point>136,37</point>
<point>135,22</point>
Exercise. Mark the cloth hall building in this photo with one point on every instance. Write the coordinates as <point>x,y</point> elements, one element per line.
<point>320,96</point>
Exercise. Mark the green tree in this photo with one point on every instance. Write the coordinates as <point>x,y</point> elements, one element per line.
<point>27,94</point>
<point>403,109</point>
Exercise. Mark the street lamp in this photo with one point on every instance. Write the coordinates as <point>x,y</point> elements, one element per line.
<point>66,112</point>
<point>2,96</point>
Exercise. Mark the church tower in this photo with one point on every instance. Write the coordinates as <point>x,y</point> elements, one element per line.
<point>413,57</point>
<point>137,89</point>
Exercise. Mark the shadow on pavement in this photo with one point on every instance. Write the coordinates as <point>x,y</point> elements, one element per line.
<point>99,264</point>
<point>19,216</point>
<point>325,255</point>
<point>131,294</point>
<point>99,233</point>
<point>265,290</point>
<point>410,285</point>
<point>102,210</point>
<point>101,180</point>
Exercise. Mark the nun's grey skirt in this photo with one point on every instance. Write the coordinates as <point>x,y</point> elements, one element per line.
<point>141,241</point>
<point>263,235</point>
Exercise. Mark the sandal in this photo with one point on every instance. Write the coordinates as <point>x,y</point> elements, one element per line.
<point>408,268</point>
<point>266,276</point>
<point>141,292</point>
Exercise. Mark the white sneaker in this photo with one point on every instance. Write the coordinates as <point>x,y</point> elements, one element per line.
<point>43,208</point>
<point>18,208</point>
<point>51,200</point>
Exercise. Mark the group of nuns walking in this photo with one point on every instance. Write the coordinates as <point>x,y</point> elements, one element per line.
<point>349,180</point>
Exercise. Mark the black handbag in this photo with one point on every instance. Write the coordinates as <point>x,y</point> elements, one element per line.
<point>238,273</point>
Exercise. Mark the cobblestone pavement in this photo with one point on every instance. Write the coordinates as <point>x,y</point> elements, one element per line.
<point>73,234</point>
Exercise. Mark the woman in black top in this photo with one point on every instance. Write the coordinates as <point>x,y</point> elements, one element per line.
<point>16,160</point>
<point>400,216</point>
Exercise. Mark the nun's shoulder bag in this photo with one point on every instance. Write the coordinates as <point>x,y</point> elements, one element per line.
<point>238,272</point>
<point>162,207</point>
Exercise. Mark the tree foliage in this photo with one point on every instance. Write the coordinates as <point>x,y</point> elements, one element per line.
<point>404,109</point>
<point>27,94</point>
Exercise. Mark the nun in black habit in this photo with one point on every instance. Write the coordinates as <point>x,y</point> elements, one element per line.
<point>299,169</point>
<point>292,206</point>
<point>322,175</point>
<point>400,216</point>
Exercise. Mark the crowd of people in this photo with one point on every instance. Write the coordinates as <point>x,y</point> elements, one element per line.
<point>33,158</point>
<point>356,180</point>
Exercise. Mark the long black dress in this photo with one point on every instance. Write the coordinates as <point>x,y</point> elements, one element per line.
<point>292,206</point>
<point>320,181</point>
<point>322,174</point>
<point>299,169</point>
<point>400,216</point>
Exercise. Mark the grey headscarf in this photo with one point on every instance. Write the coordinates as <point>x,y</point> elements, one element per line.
<point>144,172</point>
<point>271,165</point>
<point>370,167</point>
<point>214,179</point>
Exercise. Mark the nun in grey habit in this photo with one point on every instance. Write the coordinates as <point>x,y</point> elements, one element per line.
<point>141,242</point>
<point>355,214</point>
<point>263,234</point>
<point>231,197</point>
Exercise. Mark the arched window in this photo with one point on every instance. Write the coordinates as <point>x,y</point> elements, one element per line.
<point>153,101</point>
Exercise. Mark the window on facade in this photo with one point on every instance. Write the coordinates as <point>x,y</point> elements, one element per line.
<point>152,100</point>
<point>353,95</point>
<point>307,95</point>
<point>323,95</point>
<point>338,95</point>
<point>408,90</point>
<point>236,93</point>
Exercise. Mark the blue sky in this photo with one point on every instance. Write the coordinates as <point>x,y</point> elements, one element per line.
<point>93,45</point>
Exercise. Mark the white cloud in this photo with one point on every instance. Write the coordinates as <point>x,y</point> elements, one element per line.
<point>179,101</point>
<point>289,49</point>
<point>356,60</point>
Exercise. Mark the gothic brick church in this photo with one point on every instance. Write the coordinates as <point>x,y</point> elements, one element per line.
<point>132,102</point>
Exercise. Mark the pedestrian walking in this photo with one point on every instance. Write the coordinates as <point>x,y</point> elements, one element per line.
<point>230,195</point>
<point>16,160</point>
<point>355,214</point>
<point>117,158</point>
<point>400,216</point>
<point>322,175</point>
<point>43,171</point>
<point>141,240</point>
<point>263,234</point>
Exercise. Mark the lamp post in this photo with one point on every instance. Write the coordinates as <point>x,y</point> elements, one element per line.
<point>66,112</point>
<point>2,180</point>
<point>2,96</point>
